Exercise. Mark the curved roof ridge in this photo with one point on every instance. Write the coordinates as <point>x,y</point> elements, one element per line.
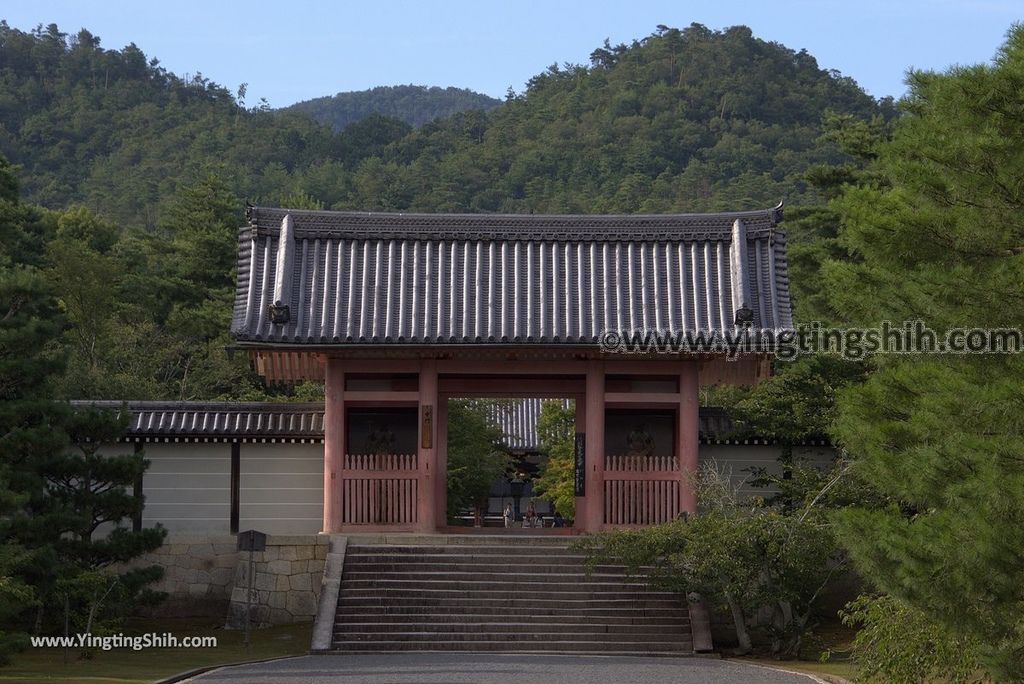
<point>549,227</point>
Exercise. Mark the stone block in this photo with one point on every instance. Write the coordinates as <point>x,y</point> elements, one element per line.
<point>265,581</point>
<point>226,560</point>
<point>200,550</point>
<point>291,539</point>
<point>279,567</point>
<point>198,589</point>
<point>305,552</point>
<point>301,603</point>
<point>278,599</point>
<point>288,553</point>
<point>320,552</point>
<point>302,582</point>
<point>280,617</point>
<point>203,577</point>
<point>221,577</point>
<point>283,583</point>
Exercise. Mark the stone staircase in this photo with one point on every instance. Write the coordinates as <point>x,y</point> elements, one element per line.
<point>501,594</point>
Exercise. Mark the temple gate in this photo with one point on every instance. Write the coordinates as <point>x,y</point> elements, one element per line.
<point>405,311</point>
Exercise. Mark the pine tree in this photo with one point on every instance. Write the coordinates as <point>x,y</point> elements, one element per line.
<point>941,239</point>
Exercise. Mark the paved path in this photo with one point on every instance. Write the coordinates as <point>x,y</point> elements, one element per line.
<point>445,668</point>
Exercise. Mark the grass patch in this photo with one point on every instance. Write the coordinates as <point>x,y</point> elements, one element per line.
<point>832,637</point>
<point>836,668</point>
<point>124,666</point>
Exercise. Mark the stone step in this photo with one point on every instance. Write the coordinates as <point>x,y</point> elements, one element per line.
<point>460,600</point>
<point>679,647</point>
<point>458,540</point>
<point>539,626</point>
<point>536,596</point>
<point>536,564</point>
<point>462,550</point>
<point>531,637</point>
<point>353,606</point>
<point>513,584</point>
<point>482,595</point>
<point>470,580</point>
<point>523,616</point>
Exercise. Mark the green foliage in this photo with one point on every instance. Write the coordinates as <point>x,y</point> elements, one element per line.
<point>475,455</point>
<point>411,104</point>
<point>687,119</point>
<point>743,557</point>
<point>798,402</point>
<point>54,502</point>
<point>556,430</point>
<point>898,644</point>
<point>30,424</point>
<point>939,239</point>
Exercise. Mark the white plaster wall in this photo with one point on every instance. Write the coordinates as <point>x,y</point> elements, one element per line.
<point>281,488</point>
<point>188,486</point>
<point>739,459</point>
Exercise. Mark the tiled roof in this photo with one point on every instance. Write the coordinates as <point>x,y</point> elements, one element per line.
<point>255,421</point>
<point>219,420</point>
<point>340,278</point>
<point>517,418</point>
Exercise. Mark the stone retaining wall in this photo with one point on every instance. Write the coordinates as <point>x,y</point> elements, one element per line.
<point>199,572</point>
<point>286,581</point>
<point>206,576</point>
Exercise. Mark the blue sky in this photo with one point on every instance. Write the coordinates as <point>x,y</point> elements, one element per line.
<point>291,50</point>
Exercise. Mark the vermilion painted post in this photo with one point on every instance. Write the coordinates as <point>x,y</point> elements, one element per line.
<point>334,442</point>
<point>441,461</point>
<point>594,447</point>
<point>688,435</point>
<point>579,521</point>
<point>430,480</point>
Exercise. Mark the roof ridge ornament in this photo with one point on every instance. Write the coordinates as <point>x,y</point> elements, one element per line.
<point>738,272</point>
<point>280,312</point>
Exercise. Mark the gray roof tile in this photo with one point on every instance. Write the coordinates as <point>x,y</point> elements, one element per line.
<point>191,420</point>
<point>349,278</point>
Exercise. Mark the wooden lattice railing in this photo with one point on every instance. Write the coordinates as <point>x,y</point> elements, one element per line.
<point>380,461</point>
<point>380,489</point>
<point>640,464</point>
<point>641,490</point>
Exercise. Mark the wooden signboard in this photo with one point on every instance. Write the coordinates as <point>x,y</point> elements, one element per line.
<point>427,428</point>
<point>580,471</point>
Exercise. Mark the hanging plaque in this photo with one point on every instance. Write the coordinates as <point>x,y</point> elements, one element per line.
<point>427,428</point>
<point>580,471</point>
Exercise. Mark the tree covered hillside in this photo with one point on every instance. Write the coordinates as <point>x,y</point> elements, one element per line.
<point>144,174</point>
<point>688,119</point>
<point>413,104</point>
<point>681,120</point>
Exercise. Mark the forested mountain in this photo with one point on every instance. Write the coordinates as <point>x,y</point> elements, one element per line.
<point>145,172</point>
<point>413,104</point>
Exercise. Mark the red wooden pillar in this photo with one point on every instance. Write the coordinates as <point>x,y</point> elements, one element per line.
<point>441,462</point>
<point>579,521</point>
<point>429,480</point>
<point>334,442</point>
<point>688,435</point>
<point>594,510</point>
